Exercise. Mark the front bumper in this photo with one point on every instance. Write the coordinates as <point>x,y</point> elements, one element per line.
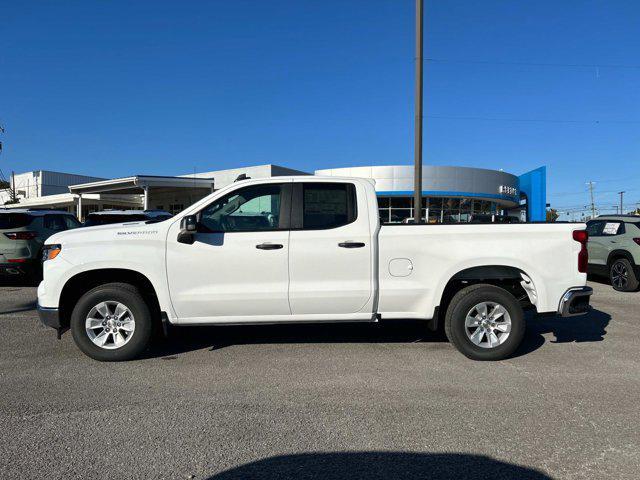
<point>575,301</point>
<point>49,317</point>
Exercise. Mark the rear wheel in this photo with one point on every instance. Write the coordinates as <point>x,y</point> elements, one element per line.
<point>485,322</point>
<point>112,322</point>
<point>622,276</point>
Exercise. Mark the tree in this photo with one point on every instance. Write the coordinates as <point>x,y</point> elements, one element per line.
<point>552,215</point>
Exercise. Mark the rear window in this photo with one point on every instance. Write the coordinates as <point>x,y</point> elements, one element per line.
<point>93,220</point>
<point>328,205</point>
<point>14,220</point>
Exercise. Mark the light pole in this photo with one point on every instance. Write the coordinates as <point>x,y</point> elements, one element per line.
<point>417,152</point>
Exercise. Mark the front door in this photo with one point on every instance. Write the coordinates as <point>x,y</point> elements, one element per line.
<point>237,266</point>
<point>330,252</point>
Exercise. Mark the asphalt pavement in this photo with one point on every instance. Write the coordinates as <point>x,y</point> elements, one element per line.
<point>389,400</point>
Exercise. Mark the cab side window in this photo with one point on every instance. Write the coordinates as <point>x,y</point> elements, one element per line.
<point>328,205</point>
<point>250,209</point>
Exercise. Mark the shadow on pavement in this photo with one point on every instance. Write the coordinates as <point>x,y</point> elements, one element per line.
<point>380,465</point>
<point>185,339</point>
<point>23,307</point>
<point>18,281</point>
<point>583,328</point>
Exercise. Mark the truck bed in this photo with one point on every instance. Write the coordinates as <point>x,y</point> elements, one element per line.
<point>417,261</point>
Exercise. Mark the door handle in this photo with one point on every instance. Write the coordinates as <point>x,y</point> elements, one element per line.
<point>269,246</point>
<point>351,244</point>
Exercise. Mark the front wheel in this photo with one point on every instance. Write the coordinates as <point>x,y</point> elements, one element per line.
<point>111,323</point>
<point>485,322</point>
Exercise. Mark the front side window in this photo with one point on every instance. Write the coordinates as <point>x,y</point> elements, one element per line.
<point>250,209</point>
<point>328,205</point>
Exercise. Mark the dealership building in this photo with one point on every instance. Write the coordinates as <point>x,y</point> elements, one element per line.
<point>450,194</point>
<point>454,194</point>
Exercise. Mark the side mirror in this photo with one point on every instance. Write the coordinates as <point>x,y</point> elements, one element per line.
<point>189,223</point>
<point>188,226</point>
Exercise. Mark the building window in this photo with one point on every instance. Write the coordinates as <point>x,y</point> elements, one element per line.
<point>175,208</point>
<point>434,209</point>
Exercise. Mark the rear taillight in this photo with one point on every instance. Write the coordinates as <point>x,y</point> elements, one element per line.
<point>21,235</point>
<point>582,236</point>
<point>637,240</point>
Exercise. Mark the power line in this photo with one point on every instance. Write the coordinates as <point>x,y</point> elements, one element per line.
<point>532,64</point>
<point>531,120</point>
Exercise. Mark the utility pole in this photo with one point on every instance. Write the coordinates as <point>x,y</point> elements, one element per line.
<point>593,205</point>
<point>13,187</point>
<point>417,153</point>
<point>621,197</point>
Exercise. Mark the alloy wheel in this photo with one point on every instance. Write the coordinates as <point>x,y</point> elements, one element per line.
<point>110,325</point>
<point>488,324</point>
<point>619,275</point>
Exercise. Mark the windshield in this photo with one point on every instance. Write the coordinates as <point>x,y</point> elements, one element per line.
<point>14,220</point>
<point>93,220</point>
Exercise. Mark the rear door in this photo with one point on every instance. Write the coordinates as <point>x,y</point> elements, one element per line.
<point>595,246</point>
<point>611,238</point>
<point>330,263</point>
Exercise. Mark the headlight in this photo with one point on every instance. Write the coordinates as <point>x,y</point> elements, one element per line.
<point>49,252</point>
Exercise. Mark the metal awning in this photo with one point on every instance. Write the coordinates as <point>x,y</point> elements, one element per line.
<point>138,184</point>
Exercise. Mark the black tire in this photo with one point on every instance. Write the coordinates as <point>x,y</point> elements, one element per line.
<point>463,302</point>
<point>129,296</point>
<point>622,276</point>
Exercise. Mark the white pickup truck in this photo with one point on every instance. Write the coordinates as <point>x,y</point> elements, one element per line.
<point>307,249</point>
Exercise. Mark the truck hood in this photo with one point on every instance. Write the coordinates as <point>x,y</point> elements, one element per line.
<point>103,232</point>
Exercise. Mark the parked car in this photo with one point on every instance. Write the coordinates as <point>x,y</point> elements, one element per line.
<point>614,250</point>
<point>22,234</point>
<point>108,217</point>
<point>319,255</point>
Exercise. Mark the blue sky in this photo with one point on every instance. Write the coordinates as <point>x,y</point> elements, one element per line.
<point>118,88</point>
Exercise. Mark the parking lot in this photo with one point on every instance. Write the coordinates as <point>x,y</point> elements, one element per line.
<point>324,401</point>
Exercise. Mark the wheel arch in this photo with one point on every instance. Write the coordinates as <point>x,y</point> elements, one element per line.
<point>617,254</point>
<point>513,279</point>
<point>82,282</point>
